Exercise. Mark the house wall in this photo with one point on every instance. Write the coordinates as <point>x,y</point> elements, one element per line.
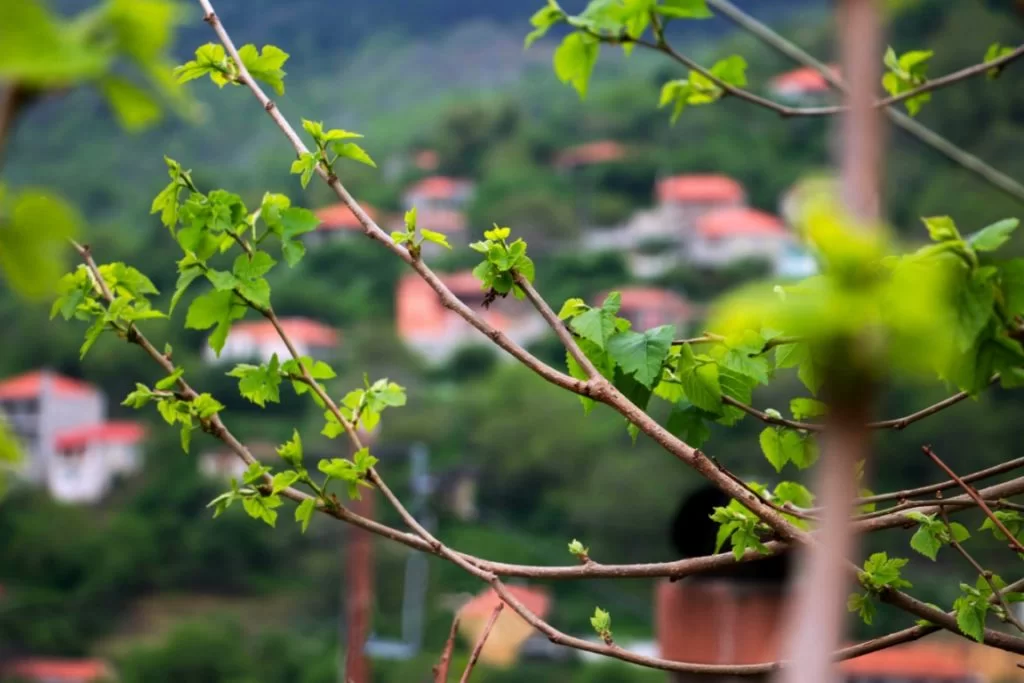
<point>58,413</point>
<point>725,250</point>
<point>242,348</point>
<point>80,476</point>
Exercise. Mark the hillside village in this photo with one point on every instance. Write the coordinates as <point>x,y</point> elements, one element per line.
<point>701,220</point>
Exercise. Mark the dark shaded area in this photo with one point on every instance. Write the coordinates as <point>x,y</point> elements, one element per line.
<point>693,535</point>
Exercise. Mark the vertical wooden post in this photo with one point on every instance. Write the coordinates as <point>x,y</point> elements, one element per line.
<point>822,582</point>
<point>358,592</point>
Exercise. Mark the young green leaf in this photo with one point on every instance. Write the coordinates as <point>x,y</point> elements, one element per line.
<point>266,65</point>
<point>304,512</point>
<point>575,59</point>
<point>214,309</point>
<point>642,355</point>
<point>993,236</point>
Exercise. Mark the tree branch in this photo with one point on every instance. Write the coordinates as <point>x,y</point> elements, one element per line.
<point>987,575</point>
<point>972,163</point>
<point>443,664</point>
<point>603,391</point>
<point>995,470</point>
<point>481,641</point>
<point>1014,543</point>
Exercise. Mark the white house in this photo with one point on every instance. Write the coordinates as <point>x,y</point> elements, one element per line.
<point>89,459</point>
<point>436,332</point>
<point>71,448</point>
<point>726,236</point>
<point>38,405</point>
<point>258,340</point>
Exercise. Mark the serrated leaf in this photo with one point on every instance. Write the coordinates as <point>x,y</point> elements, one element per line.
<point>642,355</point>
<point>574,60</point>
<point>214,309</point>
<point>435,237</point>
<point>926,541</point>
<point>266,65</point>
<point>688,423</point>
<point>993,236</point>
<point>304,512</point>
<point>804,408</point>
<point>351,150</point>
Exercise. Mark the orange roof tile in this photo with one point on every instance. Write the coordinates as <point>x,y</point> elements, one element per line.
<point>63,670</point>
<point>106,432</point>
<point>439,187</point>
<point>537,600</point>
<point>649,297</point>
<point>931,661</point>
<point>426,159</point>
<point>739,221</point>
<point>30,385</point>
<point>597,152</point>
<point>442,220</point>
<point>302,330</point>
<point>340,217</point>
<point>699,188</point>
<point>803,80</point>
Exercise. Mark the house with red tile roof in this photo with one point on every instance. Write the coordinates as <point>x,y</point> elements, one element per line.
<point>338,222</point>
<point>647,307</point>
<point>510,631</point>
<point>258,340</point>
<point>436,332</point>
<point>803,84</point>
<point>441,203</point>
<point>590,154</point>
<point>53,670</point>
<point>925,661</point>
<point>71,446</point>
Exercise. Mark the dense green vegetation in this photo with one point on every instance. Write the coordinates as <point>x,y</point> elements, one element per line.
<point>72,578</point>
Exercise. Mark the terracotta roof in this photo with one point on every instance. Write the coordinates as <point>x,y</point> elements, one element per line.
<point>29,385</point>
<point>106,432</point>
<point>597,152</point>
<point>63,670</point>
<point>439,187</point>
<point>340,217</point>
<point>699,188</point>
<point>426,159</point>
<point>441,220</point>
<point>537,600</point>
<point>651,297</point>
<point>739,221</point>
<point>938,662</point>
<point>802,80</point>
<point>302,330</point>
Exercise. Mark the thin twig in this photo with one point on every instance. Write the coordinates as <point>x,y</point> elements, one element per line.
<point>443,664</point>
<point>789,111</point>
<point>984,573</point>
<point>1014,543</point>
<point>972,163</point>
<point>601,391</point>
<point>995,470</point>
<point>478,648</point>
<point>559,328</point>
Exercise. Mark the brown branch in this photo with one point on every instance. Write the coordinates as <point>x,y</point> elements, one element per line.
<point>441,668</point>
<point>601,391</point>
<point>478,648</point>
<point>1014,543</point>
<point>559,328</point>
<point>984,573</point>
<point>928,86</point>
<point>788,111</point>
<point>929,137</point>
<point>995,470</point>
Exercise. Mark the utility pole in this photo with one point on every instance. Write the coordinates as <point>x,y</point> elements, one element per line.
<point>357,595</point>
